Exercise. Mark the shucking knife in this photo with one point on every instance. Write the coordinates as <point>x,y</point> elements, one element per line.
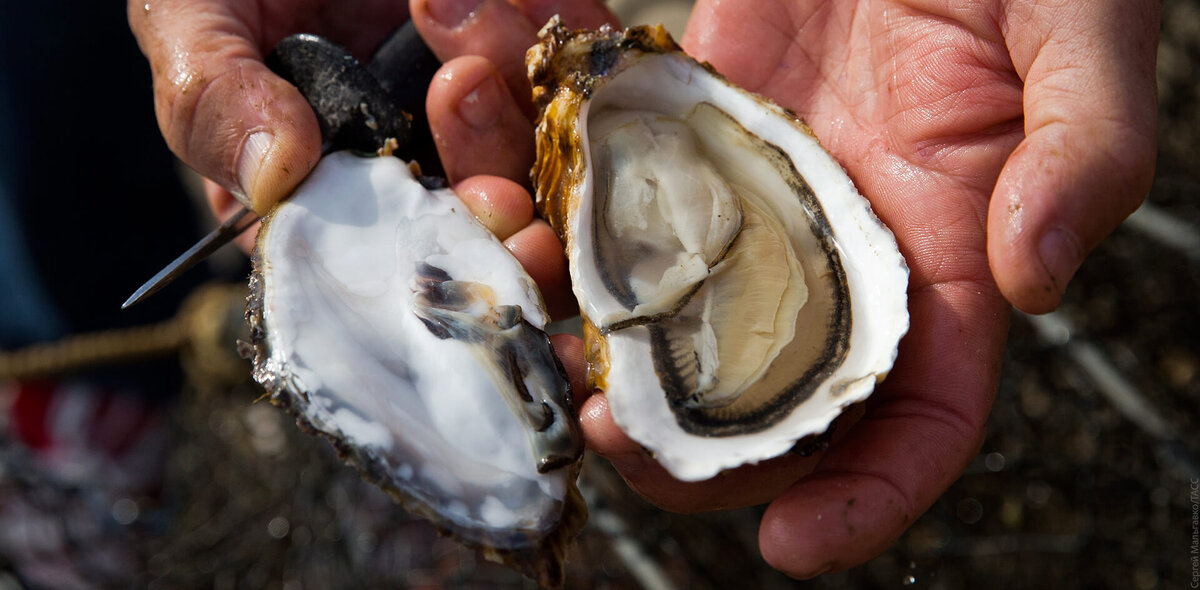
<point>358,108</point>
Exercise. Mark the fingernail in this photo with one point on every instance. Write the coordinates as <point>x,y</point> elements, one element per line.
<point>451,14</point>
<point>254,150</point>
<point>480,108</point>
<point>1061,255</point>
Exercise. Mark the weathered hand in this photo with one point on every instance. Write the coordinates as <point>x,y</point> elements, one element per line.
<point>219,107</point>
<point>1018,133</point>
<point>235,122</point>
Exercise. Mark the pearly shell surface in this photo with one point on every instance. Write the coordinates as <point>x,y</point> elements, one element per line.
<point>737,292</point>
<point>388,320</point>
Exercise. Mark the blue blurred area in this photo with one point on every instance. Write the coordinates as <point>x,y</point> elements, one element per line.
<point>25,310</point>
<point>90,205</point>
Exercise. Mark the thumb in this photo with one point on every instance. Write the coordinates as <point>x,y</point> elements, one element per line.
<point>220,109</point>
<point>1088,156</point>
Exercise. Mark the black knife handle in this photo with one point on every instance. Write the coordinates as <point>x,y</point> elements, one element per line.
<point>359,108</point>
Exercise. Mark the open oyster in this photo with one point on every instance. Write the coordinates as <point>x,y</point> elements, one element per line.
<point>386,318</point>
<point>737,291</point>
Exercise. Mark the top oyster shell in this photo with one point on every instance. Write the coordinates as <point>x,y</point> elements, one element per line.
<point>737,292</point>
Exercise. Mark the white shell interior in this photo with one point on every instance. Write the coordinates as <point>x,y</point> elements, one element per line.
<point>342,255</point>
<point>875,272</point>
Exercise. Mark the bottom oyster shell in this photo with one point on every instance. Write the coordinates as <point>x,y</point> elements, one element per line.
<point>388,320</point>
<point>738,293</point>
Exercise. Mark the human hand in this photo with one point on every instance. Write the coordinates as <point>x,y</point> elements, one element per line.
<point>253,135</point>
<point>1015,133</point>
<point>925,111</point>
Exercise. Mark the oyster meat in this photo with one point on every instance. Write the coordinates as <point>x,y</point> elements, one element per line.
<point>387,319</point>
<point>737,292</point>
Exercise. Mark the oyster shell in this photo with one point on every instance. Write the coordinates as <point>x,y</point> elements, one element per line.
<point>737,292</point>
<point>387,319</point>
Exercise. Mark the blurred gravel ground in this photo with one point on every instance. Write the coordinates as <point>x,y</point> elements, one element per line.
<point>1067,492</point>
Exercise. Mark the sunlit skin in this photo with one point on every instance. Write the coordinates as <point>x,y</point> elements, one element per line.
<point>1000,140</point>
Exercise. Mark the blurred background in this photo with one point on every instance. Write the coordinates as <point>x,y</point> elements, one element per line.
<point>132,454</point>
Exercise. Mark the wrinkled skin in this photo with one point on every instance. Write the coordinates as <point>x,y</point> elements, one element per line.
<point>253,136</point>
<point>1008,137</point>
<point>1000,140</point>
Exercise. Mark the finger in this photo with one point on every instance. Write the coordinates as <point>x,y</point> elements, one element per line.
<point>220,109</point>
<point>539,251</point>
<point>501,205</point>
<point>569,350</point>
<point>498,30</point>
<point>1088,157</point>
<point>476,123</point>
<point>920,431</point>
<point>744,486</point>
